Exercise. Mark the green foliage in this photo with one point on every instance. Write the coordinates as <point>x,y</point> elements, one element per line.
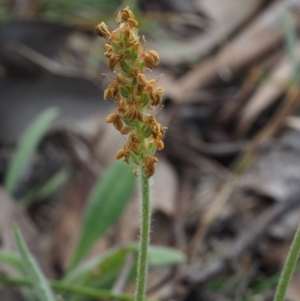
<point>159,256</point>
<point>77,290</point>
<point>27,147</point>
<point>289,268</point>
<point>12,259</point>
<point>103,270</point>
<point>106,202</point>
<point>40,285</point>
<point>46,190</point>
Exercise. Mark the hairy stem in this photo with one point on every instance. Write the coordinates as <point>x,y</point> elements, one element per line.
<point>144,238</point>
<point>288,268</point>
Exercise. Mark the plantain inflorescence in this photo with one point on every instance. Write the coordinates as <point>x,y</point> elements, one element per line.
<point>133,93</point>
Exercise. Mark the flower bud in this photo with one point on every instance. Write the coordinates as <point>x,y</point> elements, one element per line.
<point>124,14</point>
<point>150,165</point>
<point>111,117</point>
<point>108,47</point>
<point>113,61</point>
<point>102,30</point>
<point>141,79</point>
<point>159,145</point>
<point>126,130</point>
<point>120,154</point>
<point>118,124</point>
<point>133,23</point>
<point>151,59</point>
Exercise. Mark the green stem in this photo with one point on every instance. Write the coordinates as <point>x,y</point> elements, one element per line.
<point>70,288</point>
<point>288,268</point>
<point>144,239</point>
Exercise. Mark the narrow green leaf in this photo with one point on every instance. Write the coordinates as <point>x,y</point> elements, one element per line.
<point>159,256</point>
<point>50,187</point>
<point>12,259</point>
<point>165,256</point>
<point>106,203</point>
<point>106,267</point>
<point>27,147</point>
<point>100,271</point>
<point>38,281</point>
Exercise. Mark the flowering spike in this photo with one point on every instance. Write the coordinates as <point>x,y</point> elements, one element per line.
<point>133,93</point>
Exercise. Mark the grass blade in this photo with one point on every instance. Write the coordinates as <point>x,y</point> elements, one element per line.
<point>27,147</point>
<point>12,259</point>
<point>38,281</point>
<point>50,187</point>
<point>106,203</point>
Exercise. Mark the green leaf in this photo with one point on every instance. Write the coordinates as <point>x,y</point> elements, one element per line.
<point>103,270</point>
<point>38,281</point>
<point>159,256</point>
<point>78,290</point>
<point>50,187</point>
<point>12,259</point>
<point>27,147</point>
<point>106,203</point>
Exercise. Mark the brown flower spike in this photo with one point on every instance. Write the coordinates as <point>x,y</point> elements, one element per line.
<point>133,93</point>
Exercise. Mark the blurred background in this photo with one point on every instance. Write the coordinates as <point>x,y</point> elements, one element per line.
<point>226,191</point>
